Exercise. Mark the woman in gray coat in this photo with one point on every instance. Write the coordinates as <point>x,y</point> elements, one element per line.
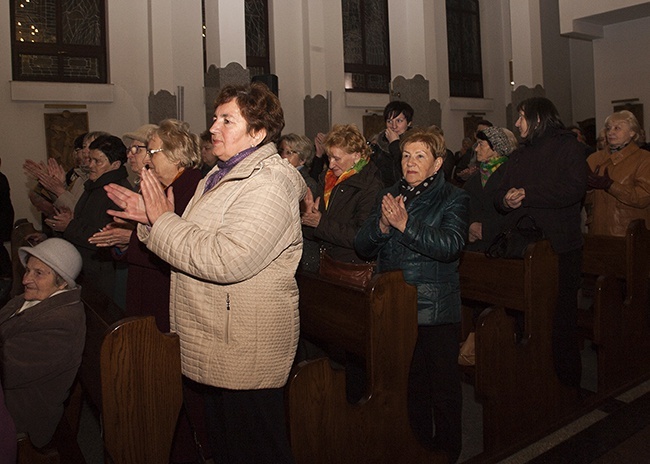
<point>42,335</point>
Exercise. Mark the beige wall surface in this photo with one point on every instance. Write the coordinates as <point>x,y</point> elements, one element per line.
<point>157,44</point>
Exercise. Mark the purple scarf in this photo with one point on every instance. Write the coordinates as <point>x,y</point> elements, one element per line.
<point>225,167</point>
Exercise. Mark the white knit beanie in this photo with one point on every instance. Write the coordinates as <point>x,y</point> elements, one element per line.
<point>59,254</point>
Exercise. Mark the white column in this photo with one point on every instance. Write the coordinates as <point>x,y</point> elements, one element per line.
<point>407,37</point>
<point>526,43</point>
<point>225,32</point>
<point>160,46</point>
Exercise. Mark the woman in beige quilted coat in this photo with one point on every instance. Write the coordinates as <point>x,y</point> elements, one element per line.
<point>234,252</point>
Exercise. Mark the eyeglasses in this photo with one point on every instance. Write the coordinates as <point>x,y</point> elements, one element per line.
<point>288,152</point>
<point>154,151</point>
<point>136,148</point>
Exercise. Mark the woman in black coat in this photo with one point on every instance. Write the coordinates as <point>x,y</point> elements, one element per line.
<point>347,194</point>
<point>106,166</point>
<point>492,149</point>
<point>547,179</point>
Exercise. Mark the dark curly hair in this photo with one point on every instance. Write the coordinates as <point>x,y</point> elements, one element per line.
<point>258,105</point>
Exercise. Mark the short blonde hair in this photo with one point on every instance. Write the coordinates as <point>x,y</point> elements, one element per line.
<point>629,118</point>
<point>348,138</point>
<point>432,138</point>
<point>179,144</point>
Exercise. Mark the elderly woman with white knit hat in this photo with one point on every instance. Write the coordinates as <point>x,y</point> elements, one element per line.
<point>493,145</point>
<point>42,334</point>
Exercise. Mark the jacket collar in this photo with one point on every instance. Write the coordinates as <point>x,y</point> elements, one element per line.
<point>619,156</point>
<point>249,164</point>
<point>53,302</point>
<point>106,178</point>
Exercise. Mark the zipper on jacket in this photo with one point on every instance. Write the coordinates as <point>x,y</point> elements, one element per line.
<point>227,328</point>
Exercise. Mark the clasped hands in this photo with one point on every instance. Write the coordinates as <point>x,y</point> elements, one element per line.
<point>595,181</point>
<point>144,208</point>
<point>514,197</point>
<point>393,213</point>
<point>310,214</point>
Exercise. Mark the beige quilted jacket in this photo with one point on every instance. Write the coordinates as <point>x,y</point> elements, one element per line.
<point>234,253</point>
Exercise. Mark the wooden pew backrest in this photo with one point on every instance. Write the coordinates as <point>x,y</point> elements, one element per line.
<point>378,323</point>
<point>141,391</point>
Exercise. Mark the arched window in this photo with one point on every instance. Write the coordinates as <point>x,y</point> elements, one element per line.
<point>464,49</point>
<point>58,40</point>
<point>257,37</point>
<point>365,45</point>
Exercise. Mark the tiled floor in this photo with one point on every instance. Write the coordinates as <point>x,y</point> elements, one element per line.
<point>618,432</point>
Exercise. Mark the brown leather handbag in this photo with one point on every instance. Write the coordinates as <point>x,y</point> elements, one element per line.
<point>354,274</point>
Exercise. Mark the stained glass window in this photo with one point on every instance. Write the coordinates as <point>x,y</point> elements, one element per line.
<point>257,37</point>
<point>59,40</point>
<point>464,49</point>
<point>365,45</point>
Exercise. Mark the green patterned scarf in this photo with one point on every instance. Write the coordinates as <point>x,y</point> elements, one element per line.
<point>486,168</point>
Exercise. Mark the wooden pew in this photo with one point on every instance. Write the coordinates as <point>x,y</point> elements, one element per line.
<point>618,321</point>
<point>379,324</point>
<point>141,391</point>
<point>131,373</point>
<point>515,380</point>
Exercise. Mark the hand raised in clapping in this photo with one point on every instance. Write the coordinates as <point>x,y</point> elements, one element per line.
<point>310,215</point>
<point>393,213</point>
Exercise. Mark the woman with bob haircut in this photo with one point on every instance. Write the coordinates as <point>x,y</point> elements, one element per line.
<point>234,254</point>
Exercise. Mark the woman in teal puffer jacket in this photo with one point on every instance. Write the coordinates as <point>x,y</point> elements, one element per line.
<point>421,227</point>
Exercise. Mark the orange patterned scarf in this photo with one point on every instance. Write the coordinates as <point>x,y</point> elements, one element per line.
<point>332,181</point>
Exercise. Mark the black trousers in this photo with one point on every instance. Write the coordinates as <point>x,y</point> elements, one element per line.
<point>434,390</point>
<point>566,351</point>
<point>247,426</point>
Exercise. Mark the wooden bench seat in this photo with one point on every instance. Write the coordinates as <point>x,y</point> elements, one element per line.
<point>515,381</point>
<point>379,324</point>
<point>617,321</point>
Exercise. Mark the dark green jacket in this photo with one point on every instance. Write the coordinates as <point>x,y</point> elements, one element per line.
<point>428,250</point>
